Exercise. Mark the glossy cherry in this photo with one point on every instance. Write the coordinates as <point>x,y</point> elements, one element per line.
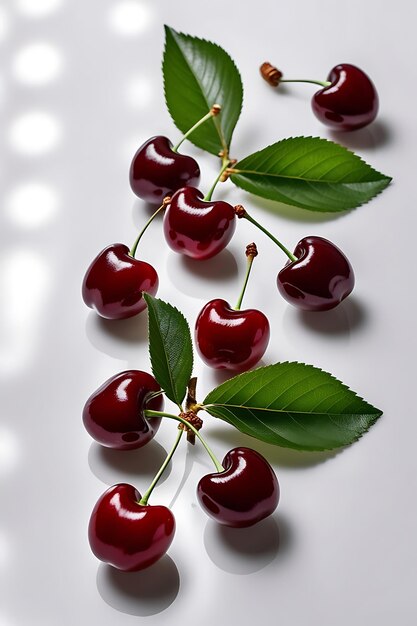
<point>230,339</point>
<point>349,102</point>
<point>157,170</point>
<point>196,227</point>
<point>246,491</point>
<point>319,279</point>
<point>115,281</point>
<point>128,535</point>
<point>113,414</point>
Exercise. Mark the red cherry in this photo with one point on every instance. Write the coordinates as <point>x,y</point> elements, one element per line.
<point>114,283</point>
<point>196,227</point>
<point>319,279</point>
<point>128,535</point>
<point>230,339</point>
<point>157,171</point>
<point>113,414</point>
<point>245,493</point>
<point>350,102</point>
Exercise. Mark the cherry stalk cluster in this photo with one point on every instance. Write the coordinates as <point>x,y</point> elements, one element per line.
<point>126,411</point>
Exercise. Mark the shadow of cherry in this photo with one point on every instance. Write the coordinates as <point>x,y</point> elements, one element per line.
<point>117,338</point>
<point>128,466</point>
<point>244,551</point>
<point>348,316</point>
<point>144,593</point>
<point>194,277</point>
<point>376,135</point>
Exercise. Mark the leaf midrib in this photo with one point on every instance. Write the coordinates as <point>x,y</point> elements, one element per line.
<point>285,411</point>
<point>308,180</point>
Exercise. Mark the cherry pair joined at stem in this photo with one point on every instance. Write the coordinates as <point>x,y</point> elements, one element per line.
<point>348,99</point>
<point>129,534</point>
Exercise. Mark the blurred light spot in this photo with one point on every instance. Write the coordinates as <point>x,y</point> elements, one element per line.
<point>37,64</point>
<point>38,8</point>
<point>139,92</point>
<point>24,282</point>
<point>130,17</point>
<point>9,452</point>
<point>34,133</point>
<point>4,24</point>
<point>32,204</point>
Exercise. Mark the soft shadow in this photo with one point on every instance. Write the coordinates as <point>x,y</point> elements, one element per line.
<point>242,550</point>
<point>188,466</point>
<point>376,135</point>
<point>221,376</point>
<point>142,211</point>
<point>190,276</point>
<point>117,338</point>
<point>348,316</point>
<point>115,466</point>
<point>276,455</point>
<point>291,213</point>
<point>143,593</point>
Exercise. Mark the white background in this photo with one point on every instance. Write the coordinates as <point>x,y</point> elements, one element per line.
<point>81,89</point>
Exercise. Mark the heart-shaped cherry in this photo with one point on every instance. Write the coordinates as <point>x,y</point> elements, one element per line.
<point>196,227</point>
<point>231,339</point>
<point>114,283</point>
<point>113,414</point>
<point>157,170</point>
<point>246,491</point>
<point>349,102</point>
<point>126,534</point>
<point>348,99</point>
<point>320,277</point>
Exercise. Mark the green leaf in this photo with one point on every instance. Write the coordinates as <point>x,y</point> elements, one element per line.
<point>310,173</point>
<point>198,74</point>
<point>292,405</point>
<point>170,348</point>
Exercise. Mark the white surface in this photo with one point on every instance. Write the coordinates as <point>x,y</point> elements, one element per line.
<point>341,547</point>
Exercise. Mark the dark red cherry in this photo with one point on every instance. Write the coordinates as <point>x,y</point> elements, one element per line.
<point>128,535</point>
<point>350,102</point>
<point>196,227</point>
<point>245,493</point>
<point>230,339</point>
<point>157,171</point>
<point>113,414</point>
<point>115,281</point>
<point>320,278</point>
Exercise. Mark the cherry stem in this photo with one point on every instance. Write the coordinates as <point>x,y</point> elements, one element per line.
<point>149,413</point>
<point>225,165</point>
<point>322,83</point>
<point>251,253</point>
<point>146,496</point>
<point>248,217</point>
<point>134,248</point>
<point>214,111</point>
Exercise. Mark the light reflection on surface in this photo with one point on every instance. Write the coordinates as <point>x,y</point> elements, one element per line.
<point>34,133</point>
<point>24,282</point>
<point>9,456</point>
<point>38,8</point>
<point>37,64</point>
<point>130,17</point>
<point>4,24</point>
<point>32,204</point>
<point>139,92</point>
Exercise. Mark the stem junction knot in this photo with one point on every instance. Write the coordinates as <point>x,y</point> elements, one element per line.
<point>193,419</point>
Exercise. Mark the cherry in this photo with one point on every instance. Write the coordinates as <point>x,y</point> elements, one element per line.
<point>157,170</point>
<point>348,99</point>
<point>114,283</point>
<point>230,339</point>
<point>349,102</point>
<point>197,227</point>
<point>244,493</point>
<point>127,534</point>
<point>320,277</point>
<point>113,414</point>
